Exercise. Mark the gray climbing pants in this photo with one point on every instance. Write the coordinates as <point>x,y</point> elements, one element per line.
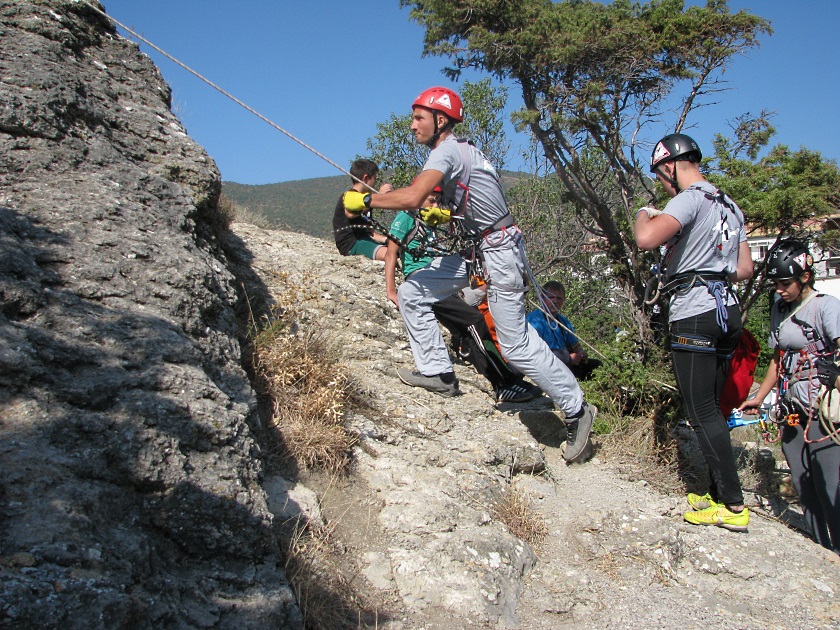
<point>504,267</point>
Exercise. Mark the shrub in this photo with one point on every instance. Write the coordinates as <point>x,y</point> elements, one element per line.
<point>624,386</point>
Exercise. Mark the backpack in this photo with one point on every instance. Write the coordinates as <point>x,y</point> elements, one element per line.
<point>741,373</point>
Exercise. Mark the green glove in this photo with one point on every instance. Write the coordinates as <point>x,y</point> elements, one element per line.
<point>435,216</point>
<point>356,202</point>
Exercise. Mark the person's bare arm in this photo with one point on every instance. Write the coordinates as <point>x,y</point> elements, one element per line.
<point>651,233</point>
<point>745,268</point>
<point>390,272</point>
<point>767,385</point>
<point>411,197</point>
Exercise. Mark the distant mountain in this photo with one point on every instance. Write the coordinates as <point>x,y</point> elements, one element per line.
<point>304,205</point>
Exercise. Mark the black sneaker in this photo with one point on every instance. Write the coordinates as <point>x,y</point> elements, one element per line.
<point>578,440</point>
<point>443,384</point>
<point>514,393</point>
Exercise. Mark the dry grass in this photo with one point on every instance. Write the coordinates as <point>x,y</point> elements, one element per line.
<point>230,212</point>
<point>309,387</point>
<point>515,510</point>
<point>647,451</point>
<point>299,369</point>
<point>326,598</point>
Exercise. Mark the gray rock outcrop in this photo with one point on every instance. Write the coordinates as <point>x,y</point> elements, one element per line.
<point>416,519</point>
<point>130,476</point>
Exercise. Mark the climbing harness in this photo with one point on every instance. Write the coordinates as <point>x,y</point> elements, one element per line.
<point>798,366</point>
<point>717,283</point>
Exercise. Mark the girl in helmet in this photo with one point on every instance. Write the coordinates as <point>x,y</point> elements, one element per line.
<point>804,333</point>
<point>706,250</point>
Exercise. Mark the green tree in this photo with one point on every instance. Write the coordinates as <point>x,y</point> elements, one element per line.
<point>594,77</point>
<point>396,151</point>
<point>784,193</point>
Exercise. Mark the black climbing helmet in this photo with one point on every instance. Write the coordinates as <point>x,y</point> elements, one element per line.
<point>788,259</point>
<point>672,147</point>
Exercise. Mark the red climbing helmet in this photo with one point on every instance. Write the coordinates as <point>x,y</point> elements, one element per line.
<point>442,100</point>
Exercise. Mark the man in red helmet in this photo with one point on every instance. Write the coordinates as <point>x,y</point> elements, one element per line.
<point>473,194</point>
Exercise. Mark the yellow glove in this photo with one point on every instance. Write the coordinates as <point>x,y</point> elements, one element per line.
<point>356,202</point>
<point>435,216</point>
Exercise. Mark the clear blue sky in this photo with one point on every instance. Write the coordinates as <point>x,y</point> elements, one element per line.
<point>328,70</point>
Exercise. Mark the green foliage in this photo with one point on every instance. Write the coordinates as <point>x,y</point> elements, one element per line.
<point>553,235</point>
<point>785,193</point>
<point>397,152</point>
<point>624,386</point>
<point>758,323</point>
<point>483,124</point>
<point>592,76</point>
<point>300,206</point>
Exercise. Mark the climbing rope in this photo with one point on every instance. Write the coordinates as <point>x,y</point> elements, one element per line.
<point>222,91</point>
<point>454,237</point>
<point>542,302</point>
<point>804,364</point>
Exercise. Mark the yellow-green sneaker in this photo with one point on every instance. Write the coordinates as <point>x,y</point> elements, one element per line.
<point>719,515</point>
<point>700,502</point>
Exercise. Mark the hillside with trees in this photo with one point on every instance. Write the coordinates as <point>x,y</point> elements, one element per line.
<point>300,206</point>
<point>304,205</point>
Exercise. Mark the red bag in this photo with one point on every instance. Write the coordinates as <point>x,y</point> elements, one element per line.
<point>741,373</point>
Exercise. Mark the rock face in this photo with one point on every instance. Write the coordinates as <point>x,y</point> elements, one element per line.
<point>130,478</point>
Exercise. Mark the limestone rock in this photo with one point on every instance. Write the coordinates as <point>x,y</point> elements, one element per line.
<point>130,481</point>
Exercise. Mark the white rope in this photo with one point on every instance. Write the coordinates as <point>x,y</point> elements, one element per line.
<point>219,89</point>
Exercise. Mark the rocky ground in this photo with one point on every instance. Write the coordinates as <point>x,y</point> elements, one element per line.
<point>415,517</point>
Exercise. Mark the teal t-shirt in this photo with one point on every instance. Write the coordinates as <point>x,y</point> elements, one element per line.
<point>401,226</point>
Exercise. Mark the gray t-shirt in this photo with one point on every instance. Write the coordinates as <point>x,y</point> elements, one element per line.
<point>815,326</point>
<point>708,241</point>
<point>486,203</point>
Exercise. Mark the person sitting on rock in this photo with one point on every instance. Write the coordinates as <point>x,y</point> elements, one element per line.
<point>463,321</point>
<point>352,231</point>
<point>560,335</point>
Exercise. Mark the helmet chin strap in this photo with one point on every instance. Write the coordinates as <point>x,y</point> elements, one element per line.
<point>436,135</point>
<point>673,181</point>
